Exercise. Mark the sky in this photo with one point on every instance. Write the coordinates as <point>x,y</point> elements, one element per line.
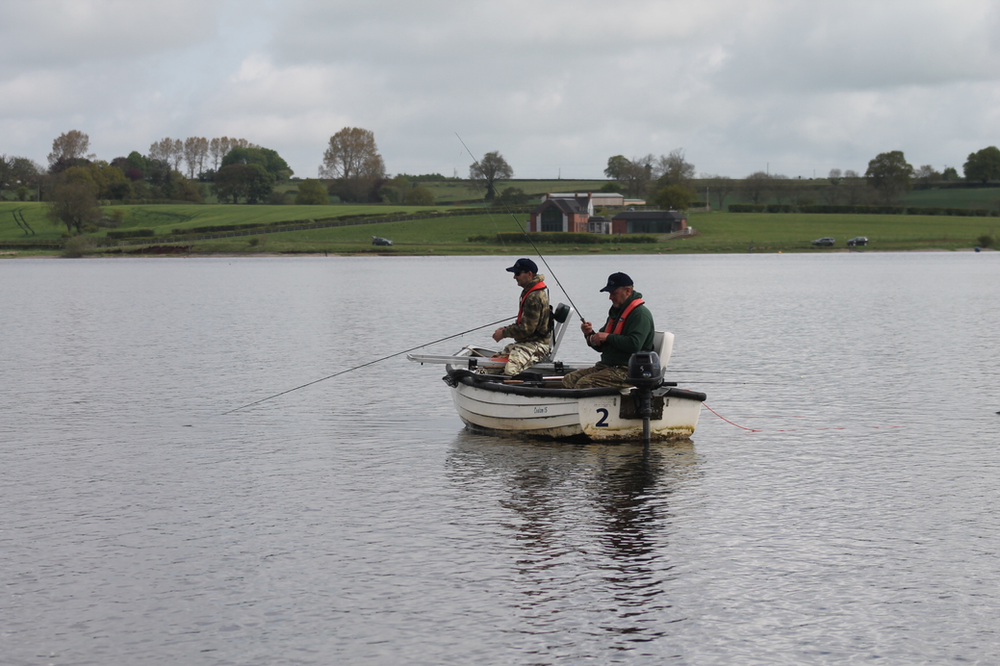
<point>557,87</point>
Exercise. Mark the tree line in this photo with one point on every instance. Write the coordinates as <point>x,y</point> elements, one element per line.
<point>233,169</point>
<point>353,170</point>
<point>669,181</point>
<point>236,170</point>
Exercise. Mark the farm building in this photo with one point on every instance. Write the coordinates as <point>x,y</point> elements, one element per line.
<point>610,199</point>
<point>569,213</point>
<point>575,212</point>
<point>648,222</point>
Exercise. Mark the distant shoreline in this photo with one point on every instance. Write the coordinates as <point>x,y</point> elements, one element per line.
<point>292,255</point>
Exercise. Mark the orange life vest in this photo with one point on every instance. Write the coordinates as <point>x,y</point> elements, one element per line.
<point>619,324</point>
<point>540,285</point>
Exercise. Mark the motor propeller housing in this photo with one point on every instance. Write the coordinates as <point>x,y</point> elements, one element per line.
<point>644,370</point>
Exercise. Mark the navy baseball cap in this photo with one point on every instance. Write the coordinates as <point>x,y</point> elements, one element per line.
<point>522,265</point>
<point>616,280</point>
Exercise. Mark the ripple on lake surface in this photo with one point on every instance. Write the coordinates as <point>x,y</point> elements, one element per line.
<point>356,521</point>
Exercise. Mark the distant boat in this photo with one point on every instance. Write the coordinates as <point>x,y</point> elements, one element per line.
<point>535,404</point>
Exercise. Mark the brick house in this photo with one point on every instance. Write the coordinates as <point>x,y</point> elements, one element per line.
<point>569,213</point>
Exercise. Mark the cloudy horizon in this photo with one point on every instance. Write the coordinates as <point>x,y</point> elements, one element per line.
<point>557,87</point>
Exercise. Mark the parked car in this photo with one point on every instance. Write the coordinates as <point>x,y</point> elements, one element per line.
<point>857,240</point>
<point>380,241</point>
<point>826,241</point>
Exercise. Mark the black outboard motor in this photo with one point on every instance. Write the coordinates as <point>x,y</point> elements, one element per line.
<point>645,374</point>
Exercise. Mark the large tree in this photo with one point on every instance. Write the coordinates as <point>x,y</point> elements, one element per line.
<point>195,153</point>
<point>267,158</point>
<point>352,158</point>
<point>135,166</point>
<point>73,201</point>
<point>17,173</point>
<point>616,165</point>
<point>674,197</point>
<point>168,150</point>
<point>983,165</point>
<point>490,170</point>
<point>243,181</point>
<point>217,148</point>
<point>24,170</point>
<point>890,174</point>
<point>311,192</point>
<point>69,147</point>
<point>635,176</point>
<point>926,174</point>
<point>419,196</point>
<point>673,169</point>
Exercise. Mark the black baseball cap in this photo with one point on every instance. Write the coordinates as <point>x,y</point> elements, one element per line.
<point>616,280</point>
<point>522,265</point>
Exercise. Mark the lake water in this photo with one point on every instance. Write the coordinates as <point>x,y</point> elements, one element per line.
<point>845,512</point>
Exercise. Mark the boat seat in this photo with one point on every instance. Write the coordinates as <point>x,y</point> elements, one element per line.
<point>663,345</point>
<point>561,318</point>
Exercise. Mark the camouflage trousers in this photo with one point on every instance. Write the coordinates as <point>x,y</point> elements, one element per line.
<point>521,356</point>
<point>599,375</point>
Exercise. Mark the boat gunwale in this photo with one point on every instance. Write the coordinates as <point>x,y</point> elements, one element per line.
<point>484,382</point>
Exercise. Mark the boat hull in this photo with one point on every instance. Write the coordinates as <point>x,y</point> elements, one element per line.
<point>601,414</point>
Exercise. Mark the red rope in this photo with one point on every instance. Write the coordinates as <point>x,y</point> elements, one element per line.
<point>727,420</point>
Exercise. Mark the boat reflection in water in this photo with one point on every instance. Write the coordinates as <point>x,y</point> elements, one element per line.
<point>589,530</point>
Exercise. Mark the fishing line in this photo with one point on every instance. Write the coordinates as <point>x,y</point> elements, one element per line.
<point>523,231</point>
<point>365,365</point>
<point>727,420</point>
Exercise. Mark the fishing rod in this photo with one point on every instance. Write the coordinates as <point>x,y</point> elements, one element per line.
<point>365,365</point>
<point>526,235</point>
<point>701,382</point>
<point>726,372</point>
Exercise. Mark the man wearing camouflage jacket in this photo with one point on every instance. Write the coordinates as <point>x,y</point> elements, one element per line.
<point>532,332</point>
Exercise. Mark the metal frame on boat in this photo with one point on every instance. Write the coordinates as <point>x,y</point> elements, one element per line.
<point>535,404</point>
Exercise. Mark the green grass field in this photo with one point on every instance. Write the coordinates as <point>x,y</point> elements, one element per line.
<point>984,197</point>
<point>164,218</point>
<point>793,232</point>
<point>718,232</point>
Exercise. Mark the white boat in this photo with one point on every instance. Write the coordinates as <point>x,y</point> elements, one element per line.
<point>535,404</point>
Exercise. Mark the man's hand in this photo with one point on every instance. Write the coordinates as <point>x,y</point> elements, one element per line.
<point>498,334</point>
<point>593,339</point>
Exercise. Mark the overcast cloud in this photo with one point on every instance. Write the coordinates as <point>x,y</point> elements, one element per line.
<point>558,87</point>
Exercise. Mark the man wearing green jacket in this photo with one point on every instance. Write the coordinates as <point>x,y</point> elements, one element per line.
<point>629,329</point>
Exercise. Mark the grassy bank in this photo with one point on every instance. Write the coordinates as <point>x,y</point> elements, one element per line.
<point>793,232</point>
<point>718,232</point>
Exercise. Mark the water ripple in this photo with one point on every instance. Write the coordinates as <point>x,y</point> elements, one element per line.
<point>355,521</point>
